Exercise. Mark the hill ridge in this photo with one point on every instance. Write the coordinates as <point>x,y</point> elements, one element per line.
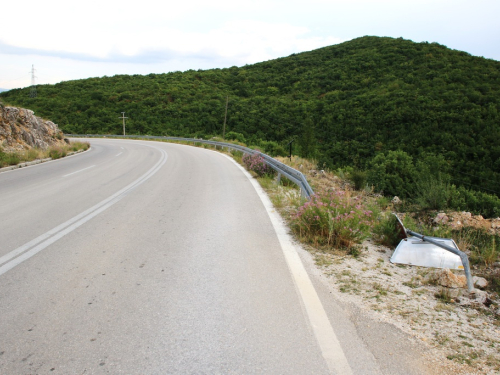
<point>344,103</point>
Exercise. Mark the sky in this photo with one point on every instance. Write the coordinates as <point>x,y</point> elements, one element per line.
<point>67,40</point>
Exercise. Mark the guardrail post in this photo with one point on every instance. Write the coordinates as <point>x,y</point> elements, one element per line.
<point>278,179</point>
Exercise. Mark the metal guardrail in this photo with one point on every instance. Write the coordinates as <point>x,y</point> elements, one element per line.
<point>282,169</point>
<point>461,254</point>
<point>431,259</point>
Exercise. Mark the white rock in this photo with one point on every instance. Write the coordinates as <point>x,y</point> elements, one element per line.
<point>480,282</point>
<point>396,200</point>
<point>479,296</point>
<point>441,218</point>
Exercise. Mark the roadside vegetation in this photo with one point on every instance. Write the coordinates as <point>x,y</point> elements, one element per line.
<point>350,233</point>
<point>54,152</point>
<point>340,217</point>
<point>415,120</point>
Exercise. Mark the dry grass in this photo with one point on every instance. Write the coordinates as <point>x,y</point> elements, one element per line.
<point>54,152</point>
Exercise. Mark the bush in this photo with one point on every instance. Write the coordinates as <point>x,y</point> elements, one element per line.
<point>386,230</point>
<point>256,163</point>
<point>236,137</point>
<point>336,220</point>
<point>394,173</point>
<point>7,159</point>
<point>273,148</point>
<point>477,202</point>
<point>358,178</point>
<point>57,152</point>
<point>434,193</point>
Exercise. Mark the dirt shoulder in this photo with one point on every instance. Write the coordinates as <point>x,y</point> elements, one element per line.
<point>461,332</point>
<point>456,331</point>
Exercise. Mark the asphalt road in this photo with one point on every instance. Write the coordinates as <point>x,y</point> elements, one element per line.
<point>150,258</point>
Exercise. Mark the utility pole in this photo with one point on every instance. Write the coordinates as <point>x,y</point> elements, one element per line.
<point>33,87</point>
<point>290,144</point>
<point>225,118</point>
<point>123,117</point>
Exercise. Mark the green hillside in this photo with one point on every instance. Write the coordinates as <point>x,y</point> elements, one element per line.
<point>346,104</point>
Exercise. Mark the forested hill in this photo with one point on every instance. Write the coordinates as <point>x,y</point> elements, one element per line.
<point>344,103</point>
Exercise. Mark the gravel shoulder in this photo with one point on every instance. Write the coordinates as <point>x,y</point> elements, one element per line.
<point>455,335</point>
<point>448,330</point>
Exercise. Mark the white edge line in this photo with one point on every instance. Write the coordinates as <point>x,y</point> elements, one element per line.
<point>322,328</point>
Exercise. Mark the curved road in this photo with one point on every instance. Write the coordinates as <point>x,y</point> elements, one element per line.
<point>149,258</point>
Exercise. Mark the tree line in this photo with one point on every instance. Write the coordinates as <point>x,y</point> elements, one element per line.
<point>351,105</point>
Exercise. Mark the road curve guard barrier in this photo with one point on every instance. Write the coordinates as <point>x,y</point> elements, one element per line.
<point>282,169</point>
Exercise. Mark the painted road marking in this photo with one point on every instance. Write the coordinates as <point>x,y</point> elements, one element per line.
<point>36,245</point>
<point>81,170</point>
<point>328,342</point>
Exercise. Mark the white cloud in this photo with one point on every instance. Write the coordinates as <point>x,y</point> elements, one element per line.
<point>97,37</point>
<point>246,41</point>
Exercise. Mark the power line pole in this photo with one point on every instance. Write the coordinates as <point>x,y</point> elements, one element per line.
<point>123,117</point>
<point>225,118</point>
<point>33,87</point>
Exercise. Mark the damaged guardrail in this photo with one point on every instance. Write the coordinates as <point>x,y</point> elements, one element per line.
<point>419,253</point>
<point>282,169</point>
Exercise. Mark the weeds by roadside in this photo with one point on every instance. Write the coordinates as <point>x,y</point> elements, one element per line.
<point>257,164</point>
<point>55,152</point>
<point>337,220</point>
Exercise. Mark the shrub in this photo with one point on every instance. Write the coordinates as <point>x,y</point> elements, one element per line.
<point>476,202</point>
<point>434,192</point>
<point>359,179</point>
<point>236,137</point>
<point>482,246</point>
<point>57,152</point>
<point>386,231</point>
<point>336,220</point>
<point>272,148</point>
<point>7,159</point>
<point>394,173</point>
<point>32,154</point>
<point>256,163</point>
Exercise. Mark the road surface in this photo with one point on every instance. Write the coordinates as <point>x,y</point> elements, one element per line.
<point>151,258</point>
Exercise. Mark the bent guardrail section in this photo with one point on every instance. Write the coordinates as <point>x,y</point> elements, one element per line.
<point>290,173</point>
<point>406,253</point>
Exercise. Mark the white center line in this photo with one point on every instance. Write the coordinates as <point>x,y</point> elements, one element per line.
<point>81,170</point>
<point>119,154</point>
<point>26,251</point>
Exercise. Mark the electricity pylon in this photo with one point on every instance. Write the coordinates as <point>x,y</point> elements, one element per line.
<point>33,86</point>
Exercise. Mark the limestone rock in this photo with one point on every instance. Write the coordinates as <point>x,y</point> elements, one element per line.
<point>20,130</point>
<point>441,218</point>
<point>480,297</point>
<point>396,200</point>
<point>448,279</point>
<point>480,282</point>
<point>456,293</point>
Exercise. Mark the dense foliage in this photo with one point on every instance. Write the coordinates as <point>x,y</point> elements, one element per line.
<point>371,103</point>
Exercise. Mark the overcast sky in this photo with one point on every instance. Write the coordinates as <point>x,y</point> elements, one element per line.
<point>67,40</point>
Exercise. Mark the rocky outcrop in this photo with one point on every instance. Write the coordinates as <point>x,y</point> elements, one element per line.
<point>20,129</point>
